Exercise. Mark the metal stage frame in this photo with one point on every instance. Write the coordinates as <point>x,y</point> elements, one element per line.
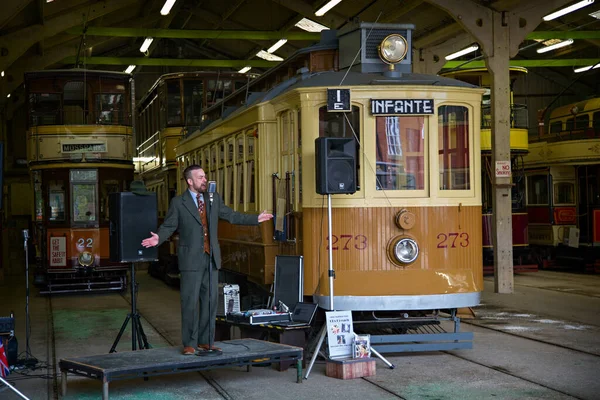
<point>169,360</point>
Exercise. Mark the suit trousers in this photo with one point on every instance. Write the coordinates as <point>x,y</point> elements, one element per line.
<point>197,321</point>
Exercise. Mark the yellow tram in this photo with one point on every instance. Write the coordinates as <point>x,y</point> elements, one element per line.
<point>563,181</point>
<point>409,236</point>
<point>172,108</point>
<point>79,143</point>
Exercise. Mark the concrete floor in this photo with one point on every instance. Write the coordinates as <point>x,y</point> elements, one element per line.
<point>542,342</point>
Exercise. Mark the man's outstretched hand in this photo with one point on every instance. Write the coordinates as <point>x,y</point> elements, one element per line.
<point>264,216</point>
<point>151,241</point>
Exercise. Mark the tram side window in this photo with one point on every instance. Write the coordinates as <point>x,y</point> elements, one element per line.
<point>44,109</point>
<point>537,190</point>
<point>109,109</point>
<point>564,193</point>
<point>75,104</point>
<point>453,142</point>
<point>342,125</point>
<point>107,187</point>
<point>218,90</point>
<point>596,121</point>
<point>250,172</point>
<point>173,104</point>
<point>400,153</point>
<point>193,92</point>
<point>582,121</point>
<point>570,124</point>
<point>556,127</point>
<point>56,200</point>
<point>83,195</point>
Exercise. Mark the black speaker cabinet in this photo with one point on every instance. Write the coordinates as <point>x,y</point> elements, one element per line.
<point>132,218</point>
<point>335,165</point>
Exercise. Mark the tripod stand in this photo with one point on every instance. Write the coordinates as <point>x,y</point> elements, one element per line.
<point>29,359</point>
<point>138,337</point>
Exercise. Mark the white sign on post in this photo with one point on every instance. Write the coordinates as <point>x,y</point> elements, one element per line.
<point>340,334</point>
<point>58,251</point>
<point>503,169</point>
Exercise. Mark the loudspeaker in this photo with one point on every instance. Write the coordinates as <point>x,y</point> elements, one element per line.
<point>335,165</point>
<point>132,218</point>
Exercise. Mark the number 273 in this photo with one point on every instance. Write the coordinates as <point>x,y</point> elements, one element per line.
<point>359,242</point>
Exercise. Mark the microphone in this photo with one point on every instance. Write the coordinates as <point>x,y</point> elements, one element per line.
<point>212,187</point>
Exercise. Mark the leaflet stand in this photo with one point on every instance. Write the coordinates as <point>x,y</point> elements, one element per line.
<point>323,331</point>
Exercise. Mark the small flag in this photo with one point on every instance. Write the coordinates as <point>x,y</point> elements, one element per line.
<point>4,370</point>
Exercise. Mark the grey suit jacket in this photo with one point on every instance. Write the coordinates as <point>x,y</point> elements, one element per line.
<point>184,217</point>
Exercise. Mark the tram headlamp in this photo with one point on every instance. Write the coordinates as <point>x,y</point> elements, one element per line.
<point>393,48</point>
<point>85,259</point>
<point>406,250</point>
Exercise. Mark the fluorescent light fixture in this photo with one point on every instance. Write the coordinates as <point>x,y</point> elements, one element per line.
<point>555,46</point>
<point>595,14</point>
<point>462,52</point>
<point>277,45</point>
<point>245,69</point>
<point>268,56</point>
<point>130,69</point>
<point>569,9</point>
<point>146,44</point>
<point>167,7</point>
<point>321,11</point>
<point>2,74</point>
<point>310,25</point>
<point>583,69</point>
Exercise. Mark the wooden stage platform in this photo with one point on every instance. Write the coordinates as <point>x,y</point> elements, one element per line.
<point>169,360</point>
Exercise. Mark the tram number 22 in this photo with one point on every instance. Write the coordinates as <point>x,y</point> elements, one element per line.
<point>81,242</point>
<point>359,242</point>
<point>452,240</point>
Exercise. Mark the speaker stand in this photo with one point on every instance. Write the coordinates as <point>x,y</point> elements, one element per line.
<point>138,337</point>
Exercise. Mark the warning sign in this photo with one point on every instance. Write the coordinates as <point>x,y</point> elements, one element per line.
<point>58,251</point>
<point>503,169</point>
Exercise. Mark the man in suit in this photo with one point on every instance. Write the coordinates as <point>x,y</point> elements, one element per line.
<point>196,215</point>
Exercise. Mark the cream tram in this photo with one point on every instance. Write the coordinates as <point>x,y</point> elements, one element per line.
<point>79,141</point>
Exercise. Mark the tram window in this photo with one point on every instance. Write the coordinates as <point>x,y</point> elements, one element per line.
<point>39,197</point>
<point>453,142</point>
<point>343,125</point>
<point>582,121</point>
<point>193,92</point>
<point>56,200</point>
<point>570,124</point>
<point>596,121</point>
<point>109,109</point>
<point>218,90</point>
<point>75,106</point>
<point>537,190</point>
<point>107,187</point>
<point>250,170</point>
<point>240,170</point>
<point>173,104</point>
<point>556,127</point>
<point>400,152</point>
<point>83,195</point>
<point>44,109</point>
<point>564,193</point>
